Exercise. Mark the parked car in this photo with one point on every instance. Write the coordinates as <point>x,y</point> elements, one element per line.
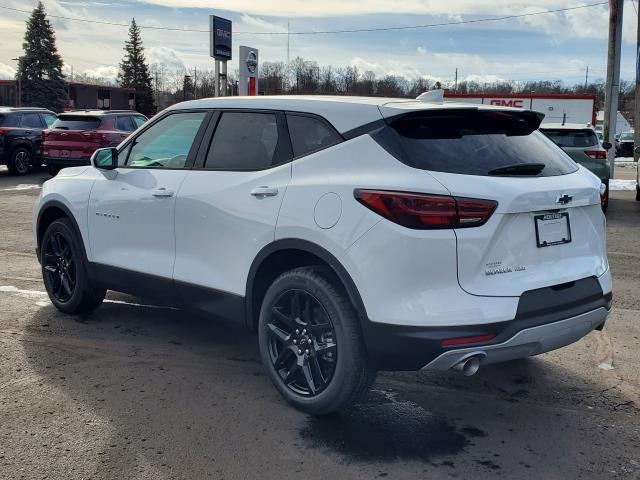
<point>354,234</point>
<point>581,143</point>
<point>20,137</point>
<point>74,136</point>
<point>624,144</point>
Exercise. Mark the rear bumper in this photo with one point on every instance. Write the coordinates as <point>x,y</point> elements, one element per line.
<point>527,342</point>
<point>66,162</point>
<point>546,319</point>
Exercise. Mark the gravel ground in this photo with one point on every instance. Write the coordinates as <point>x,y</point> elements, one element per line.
<point>135,391</point>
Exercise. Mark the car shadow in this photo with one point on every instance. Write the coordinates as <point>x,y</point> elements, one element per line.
<point>186,396</point>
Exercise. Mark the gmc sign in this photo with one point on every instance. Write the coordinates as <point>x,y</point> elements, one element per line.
<point>507,102</point>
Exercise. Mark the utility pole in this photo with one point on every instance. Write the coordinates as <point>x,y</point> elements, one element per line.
<point>455,88</point>
<point>19,79</point>
<point>613,78</point>
<point>195,82</point>
<point>288,39</point>
<point>636,120</point>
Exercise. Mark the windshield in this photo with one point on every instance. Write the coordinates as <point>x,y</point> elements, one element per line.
<point>572,138</point>
<point>76,122</point>
<point>626,136</point>
<point>473,142</point>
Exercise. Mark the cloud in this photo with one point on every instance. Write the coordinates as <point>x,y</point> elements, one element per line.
<point>7,72</point>
<point>170,58</point>
<point>106,74</point>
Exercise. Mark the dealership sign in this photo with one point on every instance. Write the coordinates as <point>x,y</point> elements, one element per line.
<point>248,71</point>
<point>220,38</point>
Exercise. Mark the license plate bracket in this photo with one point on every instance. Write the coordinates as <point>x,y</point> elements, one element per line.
<point>552,229</point>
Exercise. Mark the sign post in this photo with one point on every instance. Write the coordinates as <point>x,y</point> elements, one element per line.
<point>248,71</point>
<point>220,49</point>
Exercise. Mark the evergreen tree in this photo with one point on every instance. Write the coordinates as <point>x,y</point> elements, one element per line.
<point>134,72</point>
<point>40,68</point>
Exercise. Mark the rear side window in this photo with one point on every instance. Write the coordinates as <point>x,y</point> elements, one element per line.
<point>138,121</point>
<point>472,142</point>
<point>572,138</point>
<point>309,134</point>
<point>49,119</point>
<point>245,141</point>
<point>11,120</point>
<point>76,122</point>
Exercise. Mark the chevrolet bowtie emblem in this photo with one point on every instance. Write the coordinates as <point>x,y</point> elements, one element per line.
<point>564,199</point>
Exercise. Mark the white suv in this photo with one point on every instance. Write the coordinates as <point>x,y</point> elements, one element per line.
<point>355,234</point>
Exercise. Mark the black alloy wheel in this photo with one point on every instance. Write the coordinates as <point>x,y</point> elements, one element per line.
<point>20,162</point>
<point>302,342</point>
<point>60,267</point>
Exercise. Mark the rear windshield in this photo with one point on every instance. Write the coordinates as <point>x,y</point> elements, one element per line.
<point>572,138</point>
<point>472,142</point>
<point>626,136</point>
<point>76,122</point>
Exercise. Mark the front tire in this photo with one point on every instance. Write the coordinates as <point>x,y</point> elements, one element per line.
<point>20,161</point>
<point>311,344</point>
<point>64,270</point>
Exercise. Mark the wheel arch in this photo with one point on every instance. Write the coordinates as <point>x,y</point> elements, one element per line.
<point>286,254</point>
<point>50,212</point>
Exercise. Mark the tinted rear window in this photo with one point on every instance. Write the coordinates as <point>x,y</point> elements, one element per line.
<point>572,138</point>
<point>76,122</point>
<point>472,142</point>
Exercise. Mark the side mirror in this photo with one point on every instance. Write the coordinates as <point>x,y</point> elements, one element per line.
<point>105,158</point>
<point>606,145</point>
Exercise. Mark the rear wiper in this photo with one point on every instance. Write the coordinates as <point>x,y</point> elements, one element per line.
<point>518,169</point>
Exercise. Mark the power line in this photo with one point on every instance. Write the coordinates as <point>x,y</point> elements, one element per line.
<point>327,32</point>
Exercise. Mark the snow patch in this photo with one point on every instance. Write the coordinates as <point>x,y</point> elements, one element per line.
<point>605,366</point>
<point>618,185</point>
<point>20,187</point>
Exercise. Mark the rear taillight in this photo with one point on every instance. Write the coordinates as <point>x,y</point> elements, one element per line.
<point>425,211</point>
<point>596,154</point>
<point>4,131</point>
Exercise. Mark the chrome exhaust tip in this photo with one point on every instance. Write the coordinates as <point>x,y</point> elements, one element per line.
<point>469,366</point>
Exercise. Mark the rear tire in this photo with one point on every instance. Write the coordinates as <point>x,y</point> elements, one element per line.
<point>64,270</point>
<point>605,202</point>
<point>313,347</point>
<point>20,161</point>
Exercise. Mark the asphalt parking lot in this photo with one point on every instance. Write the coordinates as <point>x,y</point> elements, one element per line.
<point>137,391</point>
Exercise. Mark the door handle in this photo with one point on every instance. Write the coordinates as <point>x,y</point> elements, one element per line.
<point>162,193</point>
<point>28,132</point>
<point>261,192</point>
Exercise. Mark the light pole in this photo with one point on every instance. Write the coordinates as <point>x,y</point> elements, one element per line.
<point>19,79</point>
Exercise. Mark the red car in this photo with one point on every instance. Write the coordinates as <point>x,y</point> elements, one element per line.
<point>74,136</point>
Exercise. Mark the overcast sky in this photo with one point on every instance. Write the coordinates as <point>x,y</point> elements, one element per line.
<point>549,46</point>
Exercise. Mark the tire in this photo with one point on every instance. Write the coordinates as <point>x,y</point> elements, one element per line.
<point>64,270</point>
<point>605,201</point>
<point>53,171</point>
<point>20,161</point>
<point>331,352</point>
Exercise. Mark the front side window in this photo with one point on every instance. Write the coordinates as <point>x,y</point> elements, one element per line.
<point>124,123</point>
<point>31,120</point>
<point>167,143</point>
<point>49,119</point>
<point>244,141</point>
<point>309,134</point>
<point>139,121</point>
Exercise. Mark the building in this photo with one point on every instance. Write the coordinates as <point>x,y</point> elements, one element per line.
<point>556,107</point>
<point>80,96</point>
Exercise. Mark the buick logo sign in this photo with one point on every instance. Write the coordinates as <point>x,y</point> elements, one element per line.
<point>252,62</point>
